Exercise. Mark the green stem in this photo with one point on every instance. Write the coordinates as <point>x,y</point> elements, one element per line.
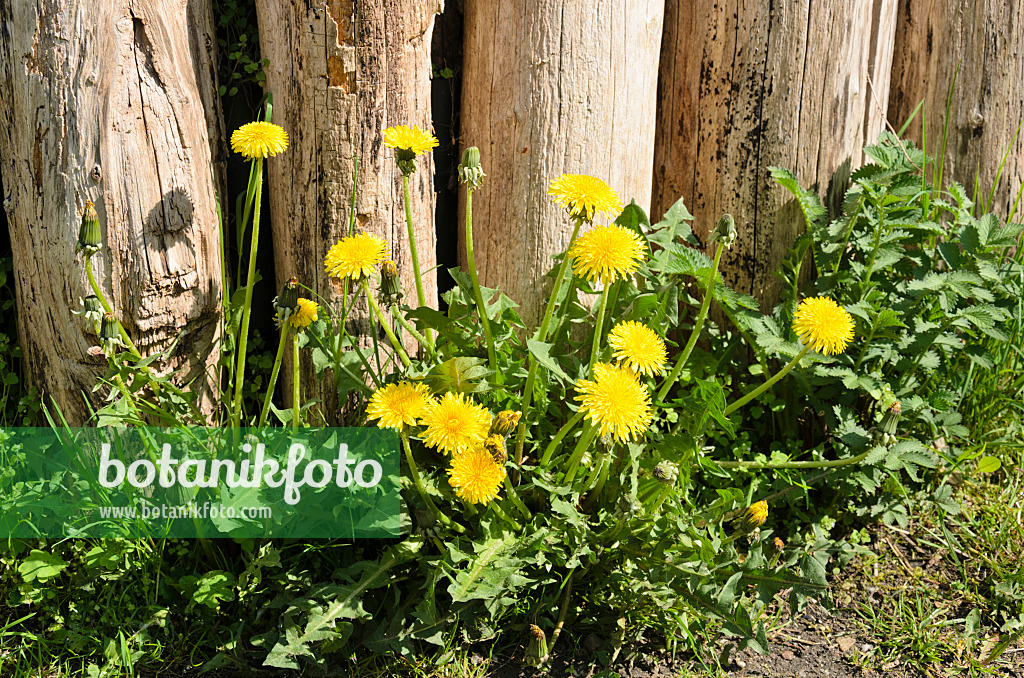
<point>768,384</point>
<point>418,482</point>
<point>496,507</point>
<point>595,494</point>
<point>375,307</point>
<point>107,307</point>
<point>268,396</point>
<point>598,327</point>
<point>407,199</point>
<point>572,466</point>
<point>397,314</point>
<point>296,382</point>
<point>793,464</point>
<point>698,326</point>
<point>562,432</point>
<point>481,309</point>
<point>243,332</point>
<point>516,501</point>
<point>542,335</point>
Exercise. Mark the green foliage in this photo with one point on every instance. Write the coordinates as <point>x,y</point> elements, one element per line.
<point>238,40</point>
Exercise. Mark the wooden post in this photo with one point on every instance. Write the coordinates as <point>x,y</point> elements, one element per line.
<point>984,38</point>
<point>341,72</point>
<point>745,86</point>
<point>113,102</point>
<point>552,88</point>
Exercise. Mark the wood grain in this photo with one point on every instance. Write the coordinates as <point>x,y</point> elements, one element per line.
<point>552,88</point>
<point>748,85</point>
<point>112,102</point>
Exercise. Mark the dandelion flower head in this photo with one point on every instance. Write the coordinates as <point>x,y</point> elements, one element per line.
<point>356,256</point>
<point>584,195</point>
<point>455,424</point>
<point>823,325</point>
<point>259,140</point>
<point>398,405</point>
<point>608,252</point>
<point>615,401</point>
<point>638,347</point>
<point>304,315</point>
<point>475,475</point>
<point>411,139</point>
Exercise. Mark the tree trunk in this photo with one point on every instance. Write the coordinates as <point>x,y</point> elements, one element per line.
<point>746,86</point>
<point>341,72</point>
<point>552,88</point>
<point>985,39</point>
<point>105,102</point>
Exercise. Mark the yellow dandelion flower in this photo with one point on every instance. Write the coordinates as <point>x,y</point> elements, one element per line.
<point>615,401</point>
<point>607,252</point>
<point>411,139</point>
<point>455,424</point>
<point>506,422</point>
<point>823,325</point>
<point>754,516</point>
<point>585,195</point>
<point>398,405</point>
<point>304,314</point>
<point>638,346</point>
<point>475,475</point>
<point>259,140</point>
<point>356,256</point>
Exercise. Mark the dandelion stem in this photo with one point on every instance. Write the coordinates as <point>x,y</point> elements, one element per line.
<point>598,326</point>
<point>793,464</point>
<point>561,613</point>
<point>407,199</point>
<point>516,501</point>
<point>542,335</point>
<point>562,432</point>
<point>396,313</point>
<point>481,308</point>
<point>243,332</point>
<point>697,327</point>
<point>107,307</point>
<point>375,307</point>
<point>496,507</point>
<point>273,376</point>
<point>296,381</point>
<point>418,482</point>
<point>768,384</point>
<point>587,437</point>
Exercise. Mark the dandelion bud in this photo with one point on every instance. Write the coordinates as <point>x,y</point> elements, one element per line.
<point>471,172</point>
<point>108,330</point>
<point>537,650</point>
<point>891,418</point>
<point>505,422</point>
<point>91,308</point>
<point>89,236</point>
<point>724,231</point>
<point>287,301</point>
<point>666,472</point>
<point>390,287</point>
<point>754,516</point>
<point>495,446</point>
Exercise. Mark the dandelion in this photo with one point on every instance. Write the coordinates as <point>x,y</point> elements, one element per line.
<point>823,325</point>
<point>304,315</point>
<point>398,405</point>
<point>584,195</point>
<point>409,139</point>
<point>754,516</point>
<point>455,424</point>
<point>259,140</point>
<point>615,401</point>
<point>355,256</point>
<point>638,347</point>
<point>607,252</point>
<point>475,475</point>
<point>495,446</point>
<point>505,422</point>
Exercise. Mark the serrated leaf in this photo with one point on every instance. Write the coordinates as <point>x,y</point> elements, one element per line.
<point>542,352</point>
<point>460,375</point>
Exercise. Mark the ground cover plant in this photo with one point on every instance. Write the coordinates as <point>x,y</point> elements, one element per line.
<point>612,469</point>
